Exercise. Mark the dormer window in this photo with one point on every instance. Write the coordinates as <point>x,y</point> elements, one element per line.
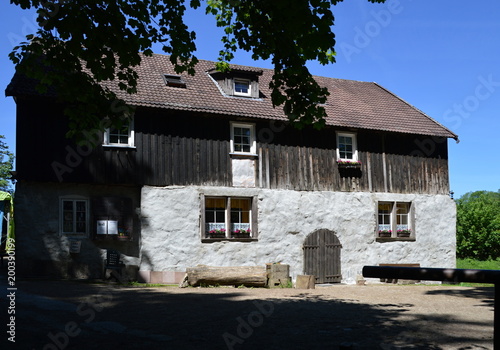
<point>174,80</point>
<point>242,87</point>
<point>237,82</point>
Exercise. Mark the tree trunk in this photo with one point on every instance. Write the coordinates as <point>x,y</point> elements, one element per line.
<point>249,276</point>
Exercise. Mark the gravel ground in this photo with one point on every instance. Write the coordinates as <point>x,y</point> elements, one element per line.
<point>82,315</point>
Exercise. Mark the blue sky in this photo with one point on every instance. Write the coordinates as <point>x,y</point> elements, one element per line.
<point>443,57</point>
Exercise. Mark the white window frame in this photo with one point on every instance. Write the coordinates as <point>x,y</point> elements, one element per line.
<point>228,224</point>
<point>354,146</point>
<point>253,141</point>
<point>131,137</point>
<point>243,81</point>
<point>393,218</point>
<point>74,199</point>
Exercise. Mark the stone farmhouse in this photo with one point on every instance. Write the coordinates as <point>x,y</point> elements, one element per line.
<point>208,172</point>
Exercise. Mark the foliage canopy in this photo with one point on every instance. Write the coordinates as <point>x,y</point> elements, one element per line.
<point>81,43</point>
<point>478,225</point>
<point>6,166</point>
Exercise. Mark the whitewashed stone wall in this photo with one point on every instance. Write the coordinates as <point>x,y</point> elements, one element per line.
<point>171,239</point>
<point>168,239</point>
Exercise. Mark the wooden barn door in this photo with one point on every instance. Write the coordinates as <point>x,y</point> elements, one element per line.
<point>322,256</point>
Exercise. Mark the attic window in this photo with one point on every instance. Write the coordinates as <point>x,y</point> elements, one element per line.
<point>242,87</point>
<point>174,81</point>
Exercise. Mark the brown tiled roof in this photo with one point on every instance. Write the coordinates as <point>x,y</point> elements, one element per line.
<point>352,104</point>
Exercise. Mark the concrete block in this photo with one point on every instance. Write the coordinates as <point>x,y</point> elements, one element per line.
<point>305,282</point>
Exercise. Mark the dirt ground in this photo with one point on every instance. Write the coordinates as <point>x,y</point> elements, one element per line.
<point>83,315</point>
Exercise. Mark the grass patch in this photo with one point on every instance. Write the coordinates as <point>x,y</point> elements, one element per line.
<point>477,264</point>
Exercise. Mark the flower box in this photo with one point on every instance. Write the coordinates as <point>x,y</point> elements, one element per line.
<point>221,233</point>
<point>216,235</point>
<point>348,164</point>
<point>385,233</point>
<point>404,233</point>
<point>241,233</point>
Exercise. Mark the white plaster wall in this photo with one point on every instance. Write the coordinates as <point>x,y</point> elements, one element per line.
<point>171,239</point>
<point>243,172</point>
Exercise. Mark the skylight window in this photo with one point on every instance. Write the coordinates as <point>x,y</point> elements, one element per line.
<point>174,80</point>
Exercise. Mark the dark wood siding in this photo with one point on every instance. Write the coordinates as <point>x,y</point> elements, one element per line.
<point>313,169</point>
<point>176,148</point>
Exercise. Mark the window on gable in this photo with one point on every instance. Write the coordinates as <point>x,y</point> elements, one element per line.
<point>347,146</point>
<point>243,138</point>
<point>74,217</point>
<point>120,137</point>
<point>242,87</point>
<point>395,220</point>
<point>228,217</point>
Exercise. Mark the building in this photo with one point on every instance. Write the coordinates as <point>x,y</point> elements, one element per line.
<point>208,155</point>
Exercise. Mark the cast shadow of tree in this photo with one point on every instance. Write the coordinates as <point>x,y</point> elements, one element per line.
<point>132,318</point>
<point>485,295</point>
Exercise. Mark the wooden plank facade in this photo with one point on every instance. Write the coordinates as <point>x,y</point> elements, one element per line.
<point>186,149</point>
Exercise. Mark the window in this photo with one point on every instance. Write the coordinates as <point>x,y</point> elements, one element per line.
<point>347,147</point>
<point>228,217</point>
<point>74,216</point>
<point>243,138</point>
<point>394,219</point>
<point>120,137</point>
<point>242,87</point>
<point>174,81</point>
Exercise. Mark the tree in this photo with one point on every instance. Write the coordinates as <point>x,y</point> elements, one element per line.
<point>80,44</point>
<point>6,166</point>
<point>478,225</point>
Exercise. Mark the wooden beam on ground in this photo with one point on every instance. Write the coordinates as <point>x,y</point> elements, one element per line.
<point>249,276</point>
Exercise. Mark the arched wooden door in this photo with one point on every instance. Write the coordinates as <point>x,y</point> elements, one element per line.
<point>322,256</point>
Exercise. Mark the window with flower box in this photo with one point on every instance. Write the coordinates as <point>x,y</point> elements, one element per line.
<point>347,148</point>
<point>228,218</point>
<point>395,220</point>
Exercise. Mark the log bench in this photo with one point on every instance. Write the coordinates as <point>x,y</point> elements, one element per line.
<point>271,275</point>
<point>248,276</point>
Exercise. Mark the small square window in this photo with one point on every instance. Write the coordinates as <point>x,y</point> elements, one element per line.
<point>120,137</point>
<point>242,87</point>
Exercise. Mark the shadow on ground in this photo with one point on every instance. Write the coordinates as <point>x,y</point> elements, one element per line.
<point>77,315</point>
